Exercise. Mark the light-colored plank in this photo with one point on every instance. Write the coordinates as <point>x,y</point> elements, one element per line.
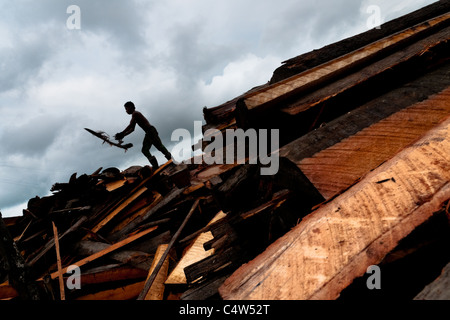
<point>194,253</point>
<point>156,291</point>
<point>58,262</point>
<point>113,185</point>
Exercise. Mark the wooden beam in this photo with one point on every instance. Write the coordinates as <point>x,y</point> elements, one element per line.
<point>326,70</point>
<point>366,115</point>
<point>133,194</point>
<point>402,64</point>
<point>136,258</point>
<point>341,239</point>
<point>339,166</point>
<point>117,210</point>
<point>172,195</point>
<point>156,291</point>
<point>111,273</point>
<point>157,198</point>
<point>58,261</point>
<point>127,292</point>
<point>193,253</point>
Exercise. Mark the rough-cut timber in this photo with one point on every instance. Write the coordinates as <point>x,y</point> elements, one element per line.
<point>352,72</point>
<point>381,107</point>
<point>339,166</point>
<point>336,243</point>
<point>341,64</point>
<point>314,58</point>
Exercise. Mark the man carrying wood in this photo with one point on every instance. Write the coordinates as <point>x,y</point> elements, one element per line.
<point>151,135</point>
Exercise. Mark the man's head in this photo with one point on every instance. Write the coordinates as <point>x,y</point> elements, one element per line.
<point>129,107</point>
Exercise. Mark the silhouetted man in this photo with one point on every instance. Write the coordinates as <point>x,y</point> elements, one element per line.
<point>151,135</point>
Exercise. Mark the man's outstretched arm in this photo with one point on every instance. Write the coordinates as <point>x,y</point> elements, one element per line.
<point>127,131</point>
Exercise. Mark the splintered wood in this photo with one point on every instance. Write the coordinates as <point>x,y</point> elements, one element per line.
<point>337,242</point>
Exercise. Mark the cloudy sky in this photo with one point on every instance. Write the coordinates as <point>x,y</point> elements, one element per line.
<point>170,57</point>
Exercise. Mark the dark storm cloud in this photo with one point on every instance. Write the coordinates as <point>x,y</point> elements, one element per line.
<point>122,20</point>
<point>23,60</point>
<point>32,138</point>
<point>303,24</point>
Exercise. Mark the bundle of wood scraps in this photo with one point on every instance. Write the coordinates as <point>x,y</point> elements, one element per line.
<point>175,233</point>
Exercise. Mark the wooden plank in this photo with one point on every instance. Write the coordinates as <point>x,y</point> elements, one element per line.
<point>193,188</point>
<point>104,252</point>
<point>339,166</point>
<point>138,189</point>
<point>58,261</point>
<point>135,257</point>
<point>117,210</point>
<point>111,273</point>
<point>366,115</point>
<point>277,200</point>
<point>193,253</point>
<point>152,277</point>
<point>127,292</point>
<point>402,64</point>
<point>113,185</point>
<point>312,75</point>
<point>172,195</point>
<point>7,291</point>
<point>314,58</point>
<point>340,240</point>
<point>156,291</point>
<point>157,198</point>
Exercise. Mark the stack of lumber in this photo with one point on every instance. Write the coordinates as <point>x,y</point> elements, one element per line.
<point>175,233</point>
<point>363,180</point>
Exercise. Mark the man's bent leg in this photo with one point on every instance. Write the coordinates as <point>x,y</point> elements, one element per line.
<point>146,145</point>
<point>156,141</point>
